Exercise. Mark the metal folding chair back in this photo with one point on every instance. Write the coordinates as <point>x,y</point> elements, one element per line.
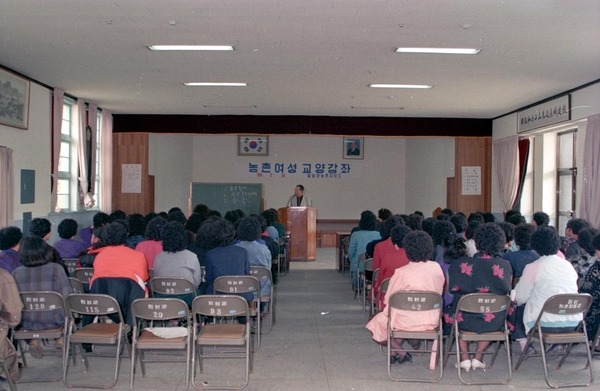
<point>238,285</point>
<point>76,285</point>
<point>367,281</point>
<point>345,257</point>
<point>90,305</point>
<point>38,302</point>
<point>180,287</point>
<point>84,274</point>
<point>71,264</point>
<point>216,326</point>
<point>482,303</point>
<point>262,274</point>
<point>170,330</point>
<point>383,288</point>
<point>562,304</point>
<point>417,301</point>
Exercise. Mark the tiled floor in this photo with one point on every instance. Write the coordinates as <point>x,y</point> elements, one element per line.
<point>318,343</point>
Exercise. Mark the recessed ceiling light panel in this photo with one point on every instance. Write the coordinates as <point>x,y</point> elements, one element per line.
<point>191,47</point>
<point>215,84</point>
<point>410,86</point>
<point>439,50</point>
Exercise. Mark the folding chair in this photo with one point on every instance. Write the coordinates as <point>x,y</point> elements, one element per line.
<point>367,282</point>
<point>482,303</point>
<point>38,302</point>
<point>222,331</point>
<point>372,304</point>
<point>345,260</point>
<point>282,262</point>
<point>71,264</point>
<point>4,367</point>
<point>562,304</point>
<point>358,277</point>
<point>89,304</point>
<point>157,312</point>
<point>84,274</point>
<point>239,285</point>
<point>383,287</point>
<point>173,287</point>
<point>417,301</point>
<point>76,285</point>
<point>262,273</point>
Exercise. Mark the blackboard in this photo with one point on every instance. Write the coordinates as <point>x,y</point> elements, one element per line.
<point>224,197</point>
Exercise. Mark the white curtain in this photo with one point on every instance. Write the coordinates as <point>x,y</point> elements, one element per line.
<point>106,161</point>
<point>83,135</point>
<point>93,124</point>
<point>7,187</point>
<point>57,117</point>
<point>506,162</point>
<point>590,193</point>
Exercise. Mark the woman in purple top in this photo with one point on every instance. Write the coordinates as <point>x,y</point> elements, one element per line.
<point>67,246</point>
<point>10,241</point>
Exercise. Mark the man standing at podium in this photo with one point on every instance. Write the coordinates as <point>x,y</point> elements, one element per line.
<point>298,199</point>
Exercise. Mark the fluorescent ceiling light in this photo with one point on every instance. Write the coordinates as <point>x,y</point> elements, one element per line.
<point>191,47</point>
<point>417,86</point>
<point>215,84</point>
<point>439,50</point>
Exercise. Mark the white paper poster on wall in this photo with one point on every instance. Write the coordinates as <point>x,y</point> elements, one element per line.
<point>131,178</point>
<point>471,180</point>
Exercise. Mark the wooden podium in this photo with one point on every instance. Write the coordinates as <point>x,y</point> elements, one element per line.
<point>301,226</point>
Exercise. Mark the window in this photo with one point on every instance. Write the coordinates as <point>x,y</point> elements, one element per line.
<point>566,177</point>
<point>527,194</point>
<point>66,165</point>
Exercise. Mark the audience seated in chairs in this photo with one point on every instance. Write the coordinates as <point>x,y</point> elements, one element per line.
<point>10,316</point>
<point>175,260</point>
<point>359,239</point>
<point>67,246</point>
<point>486,272</point>
<point>153,243</point>
<point>225,258</point>
<point>591,285</point>
<point>248,234</point>
<point>119,271</point>
<point>10,242</point>
<point>547,276</point>
<point>38,273</point>
<point>420,274</point>
<point>392,260</point>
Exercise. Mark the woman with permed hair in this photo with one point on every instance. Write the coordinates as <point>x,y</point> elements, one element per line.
<point>67,246</point>
<point>248,234</point>
<point>38,273</point>
<point>486,272</point>
<point>224,258</point>
<point>547,276</point>
<point>10,241</point>
<point>358,243</point>
<point>420,274</point>
<point>153,243</point>
<point>176,260</point>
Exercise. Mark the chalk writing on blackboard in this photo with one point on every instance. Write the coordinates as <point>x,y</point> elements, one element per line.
<point>224,197</point>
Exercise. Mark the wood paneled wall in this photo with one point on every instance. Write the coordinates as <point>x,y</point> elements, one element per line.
<point>132,148</point>
<point>472,151</point>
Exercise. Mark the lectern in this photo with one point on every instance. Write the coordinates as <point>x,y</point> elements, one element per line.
<point>301,225</point>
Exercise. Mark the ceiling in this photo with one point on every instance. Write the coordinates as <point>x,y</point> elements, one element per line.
<point>305,57</point>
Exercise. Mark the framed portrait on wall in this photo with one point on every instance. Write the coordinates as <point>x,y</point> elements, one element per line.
<point>14,100</point>
<point>253,145</point>
<point>353,147</point>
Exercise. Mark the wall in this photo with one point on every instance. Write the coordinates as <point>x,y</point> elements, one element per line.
<point>429,161</point>
<point>584,103</point>
<point>31,151</point>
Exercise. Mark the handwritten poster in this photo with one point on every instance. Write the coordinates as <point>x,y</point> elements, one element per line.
<point>471,180</point>
<point>131,178</point>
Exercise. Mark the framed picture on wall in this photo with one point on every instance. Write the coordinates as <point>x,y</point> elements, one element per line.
<point>353,147</point>
<point>14,100</point>
<point>253,145</point>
